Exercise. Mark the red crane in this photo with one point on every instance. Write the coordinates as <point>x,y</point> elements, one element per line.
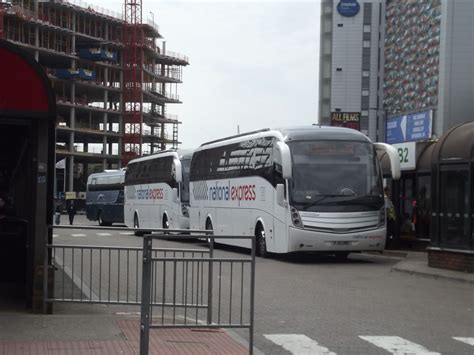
<point>133,40</point>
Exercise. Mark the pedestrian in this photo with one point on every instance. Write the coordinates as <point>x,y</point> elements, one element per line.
<point>57,213</point>
<point>391,217</point>
<point>71,211</point>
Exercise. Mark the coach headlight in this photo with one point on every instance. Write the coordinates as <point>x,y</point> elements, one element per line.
<point>295,217</point>
<point>381,217</point>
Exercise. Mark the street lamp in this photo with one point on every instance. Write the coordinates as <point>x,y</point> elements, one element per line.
<point>376,109</point>
<point>152,18</point>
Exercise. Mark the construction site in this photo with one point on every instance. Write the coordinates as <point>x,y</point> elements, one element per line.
<point>112,76</point>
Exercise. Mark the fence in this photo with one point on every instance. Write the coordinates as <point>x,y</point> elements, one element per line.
<point>176,287</point>
<point>224,293</point>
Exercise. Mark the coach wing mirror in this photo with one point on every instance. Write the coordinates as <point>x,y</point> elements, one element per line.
<point>280,191</point>
<point>393,157</point>
<point>174,195</point>
<point>177,170</point>
<point>285,156</point>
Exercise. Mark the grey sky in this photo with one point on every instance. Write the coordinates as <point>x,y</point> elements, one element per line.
<point>253,63</point>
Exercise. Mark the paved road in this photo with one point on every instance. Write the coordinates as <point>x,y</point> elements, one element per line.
<point>310,304</point>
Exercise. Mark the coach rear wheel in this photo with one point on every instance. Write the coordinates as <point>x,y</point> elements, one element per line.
<point>99,219</point>
<point>341,255</point>
<point>261,242</point>
<point>136,225</point>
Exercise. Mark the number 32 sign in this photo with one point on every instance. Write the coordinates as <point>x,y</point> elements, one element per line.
<point>407,154</point>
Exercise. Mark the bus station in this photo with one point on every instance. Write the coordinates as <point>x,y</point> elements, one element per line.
<point>27,136</point>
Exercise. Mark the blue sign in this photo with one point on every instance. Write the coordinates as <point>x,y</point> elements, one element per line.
<point>348,8</point>
<point>409,128</point>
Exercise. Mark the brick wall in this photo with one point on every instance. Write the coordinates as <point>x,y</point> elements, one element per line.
<point>451,260</point>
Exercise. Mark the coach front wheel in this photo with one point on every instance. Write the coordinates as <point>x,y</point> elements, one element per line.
<point>261,242</point>
<point>209,228</point>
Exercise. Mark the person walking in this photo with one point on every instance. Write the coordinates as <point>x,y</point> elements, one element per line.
<point>71,211</point>
<point>391,217</point>
<point>57,213</point>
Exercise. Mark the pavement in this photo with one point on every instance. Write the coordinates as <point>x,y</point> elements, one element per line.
<point>92,329</point>
<point>105,329</point>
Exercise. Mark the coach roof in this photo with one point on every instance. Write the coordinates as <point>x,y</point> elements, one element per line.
<point>301,133</point>
<point>294,134</point>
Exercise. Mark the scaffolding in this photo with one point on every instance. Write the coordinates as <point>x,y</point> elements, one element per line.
<point>112,81</point>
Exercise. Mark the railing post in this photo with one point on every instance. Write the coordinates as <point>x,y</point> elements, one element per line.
<point>45,279</point>
<point>210,280</point>
<point>252,294</point>
<point>146,289</point>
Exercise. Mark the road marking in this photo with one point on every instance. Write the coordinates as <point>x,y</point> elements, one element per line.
<point>104,234</point>
<point>298,344</point>
<point>469,341</point>
<point>126,233</point>
<point>397,345</point>
<point>78,235</point>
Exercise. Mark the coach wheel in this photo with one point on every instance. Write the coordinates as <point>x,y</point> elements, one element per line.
<point>136,225</point>
<point>166,223</point>
<point>261,242</point>
<point>209,228</point>
<point>341,255</point>
<point>101,221</point>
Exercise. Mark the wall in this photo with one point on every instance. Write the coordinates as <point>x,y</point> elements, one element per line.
<point>456,85</point>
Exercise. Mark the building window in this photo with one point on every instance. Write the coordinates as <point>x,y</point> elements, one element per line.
<point>337,110</point>
<point>367,28</point>
<point>365,92</point>
<point>366,44</point>
<point>340,25</point>
<point>364,123</point>
<point>366,74</point>
<point>364,113</point>
<point>338,69</point>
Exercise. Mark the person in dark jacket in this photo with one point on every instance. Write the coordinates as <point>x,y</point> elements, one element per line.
<point>71,211</point>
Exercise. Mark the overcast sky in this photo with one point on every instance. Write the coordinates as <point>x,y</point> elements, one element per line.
<point>252,63</point>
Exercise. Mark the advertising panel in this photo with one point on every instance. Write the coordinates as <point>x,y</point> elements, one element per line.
<point>348,8</point>
<point>409,128</point>
<point>346,119</point>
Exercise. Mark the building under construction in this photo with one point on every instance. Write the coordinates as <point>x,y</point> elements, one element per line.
<point>112,76</point>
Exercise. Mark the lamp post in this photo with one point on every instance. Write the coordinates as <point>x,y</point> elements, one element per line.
<point>377,109</point>
<point>152,18</point>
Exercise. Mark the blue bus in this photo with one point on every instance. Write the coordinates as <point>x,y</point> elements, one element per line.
<point>105,197</point>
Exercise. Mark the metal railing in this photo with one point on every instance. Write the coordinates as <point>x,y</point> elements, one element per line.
<point>103,274</point>
<point>176,287</point>
<point>204,292</point>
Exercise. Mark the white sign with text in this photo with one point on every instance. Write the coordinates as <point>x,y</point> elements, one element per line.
<point>407,154</point>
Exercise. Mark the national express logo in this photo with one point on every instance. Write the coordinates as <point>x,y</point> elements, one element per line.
<point>220,192</point>
<point>144,194</point>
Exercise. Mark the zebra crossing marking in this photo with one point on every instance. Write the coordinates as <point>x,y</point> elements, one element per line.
<point>298,344</point>
<point>103,234</point>
<point>469,341</point>
<point>397,345</point>
<point>78,235</point>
